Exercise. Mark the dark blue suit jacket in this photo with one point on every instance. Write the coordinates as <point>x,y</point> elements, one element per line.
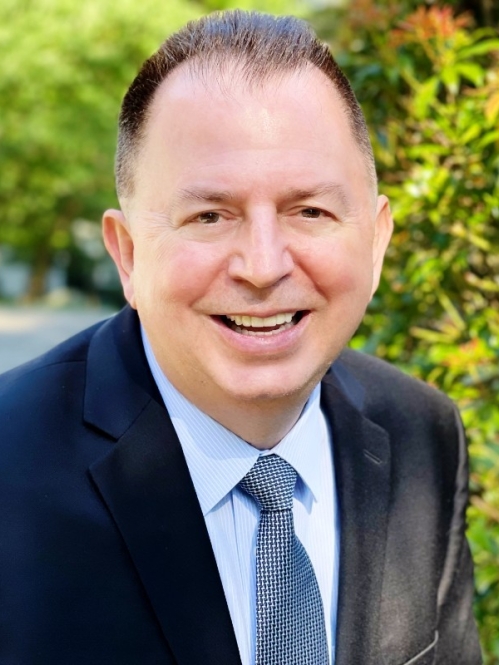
<point>104,554</point>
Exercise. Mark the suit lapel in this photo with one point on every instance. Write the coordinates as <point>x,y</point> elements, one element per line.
<point>362,469</point>
<point>145,484</point>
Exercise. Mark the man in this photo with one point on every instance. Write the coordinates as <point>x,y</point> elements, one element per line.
<point>142,460</point>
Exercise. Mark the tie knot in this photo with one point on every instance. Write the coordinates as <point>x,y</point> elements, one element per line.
<point>271,482</point>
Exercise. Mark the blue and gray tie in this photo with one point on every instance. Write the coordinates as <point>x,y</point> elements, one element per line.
<point>290,628</point>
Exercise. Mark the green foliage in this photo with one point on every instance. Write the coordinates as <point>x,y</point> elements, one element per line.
<point>429,84</point>
<point>295,7</point>
<point>65,68</point>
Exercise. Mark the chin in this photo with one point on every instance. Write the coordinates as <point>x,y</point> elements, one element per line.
<point>274,388</point>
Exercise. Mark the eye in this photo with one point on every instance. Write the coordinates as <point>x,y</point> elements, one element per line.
<point>208,217</point>
<point>312,213</point>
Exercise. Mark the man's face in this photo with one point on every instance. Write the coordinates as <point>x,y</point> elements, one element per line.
<point>253,242</point>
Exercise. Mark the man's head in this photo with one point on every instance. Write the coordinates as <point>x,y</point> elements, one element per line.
<point>251,239</point>
<point>259,47</point>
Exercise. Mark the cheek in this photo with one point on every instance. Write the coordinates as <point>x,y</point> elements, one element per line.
<point>178,273</point>
<point>342,269</point>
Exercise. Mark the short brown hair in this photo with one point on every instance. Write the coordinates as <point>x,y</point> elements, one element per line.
<point>260,44</point>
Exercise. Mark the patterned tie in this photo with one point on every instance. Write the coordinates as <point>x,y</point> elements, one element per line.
<point>290,628</point>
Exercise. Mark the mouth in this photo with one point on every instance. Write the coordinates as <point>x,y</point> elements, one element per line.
<point>261,326</point>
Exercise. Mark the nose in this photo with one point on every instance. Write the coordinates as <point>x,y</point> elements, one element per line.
<point>262,256</point>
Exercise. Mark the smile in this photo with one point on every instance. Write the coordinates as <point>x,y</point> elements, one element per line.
<point>261,326</point>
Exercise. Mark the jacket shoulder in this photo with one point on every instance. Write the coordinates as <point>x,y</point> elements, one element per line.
<point>382,387</point>
<point>44,378</point>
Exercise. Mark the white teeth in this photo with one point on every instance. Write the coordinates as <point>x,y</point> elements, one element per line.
<point>259,322</point>
<point>283,318</point>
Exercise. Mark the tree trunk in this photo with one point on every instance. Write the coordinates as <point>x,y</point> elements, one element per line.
<point>38,277</point>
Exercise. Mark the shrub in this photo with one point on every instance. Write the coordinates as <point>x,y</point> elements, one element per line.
<point>429,84</point>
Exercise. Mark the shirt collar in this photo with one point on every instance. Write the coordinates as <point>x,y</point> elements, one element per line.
<point>218,459</point>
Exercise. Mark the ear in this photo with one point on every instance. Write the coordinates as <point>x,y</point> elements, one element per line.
<point>383,228</point>
<point>119,243</point>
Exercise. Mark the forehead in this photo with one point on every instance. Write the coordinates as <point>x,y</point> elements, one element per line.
<point>232,87</point>
<point>214,123</point>
<point>207,93</point>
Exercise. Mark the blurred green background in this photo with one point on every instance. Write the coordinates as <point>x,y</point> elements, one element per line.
<point>427,76</point>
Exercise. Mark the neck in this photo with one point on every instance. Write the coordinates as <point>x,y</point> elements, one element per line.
<point>262,422</point>
<point>263,425</point>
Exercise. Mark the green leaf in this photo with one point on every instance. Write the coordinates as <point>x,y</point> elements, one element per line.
<point>472,72</point>
<point>426,95</point>
<point>470,134</point>
<point>450,76</point>
<point>487,139</point>
<point>481,48</point>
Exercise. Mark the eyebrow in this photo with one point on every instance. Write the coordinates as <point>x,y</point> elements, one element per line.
<point>203,195</point>
<point>332,189</point>
<point>291,194</point>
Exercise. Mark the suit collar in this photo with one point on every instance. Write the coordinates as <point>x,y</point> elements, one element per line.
<point>341,379</point>
<point>118,382</point>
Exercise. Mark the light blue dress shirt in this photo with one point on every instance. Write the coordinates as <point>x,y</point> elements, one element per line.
<point>217,460</point>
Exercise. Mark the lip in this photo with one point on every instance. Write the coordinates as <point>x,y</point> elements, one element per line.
<point>264,345</point>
